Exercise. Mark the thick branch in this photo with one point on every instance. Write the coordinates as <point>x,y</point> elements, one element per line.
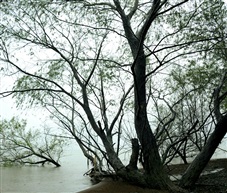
<point>152,14</point>
<point>217,99</point>
<point>133,10</point>
<point>135,154</point>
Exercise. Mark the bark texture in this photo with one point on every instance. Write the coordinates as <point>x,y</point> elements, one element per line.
<point>135,155</point>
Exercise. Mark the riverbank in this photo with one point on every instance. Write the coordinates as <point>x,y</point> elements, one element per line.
<point>110,186</point>
<point>213,180</point>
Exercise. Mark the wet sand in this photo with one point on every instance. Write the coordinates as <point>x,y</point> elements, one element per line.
<point>110,186</point>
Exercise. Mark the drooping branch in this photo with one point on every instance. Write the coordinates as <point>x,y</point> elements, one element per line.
<point>20,146</point>
<point>7,60</point>
<point>10,92</point>
<point>96,60</point>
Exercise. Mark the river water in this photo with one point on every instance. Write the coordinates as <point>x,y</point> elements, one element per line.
<point>48,179</point>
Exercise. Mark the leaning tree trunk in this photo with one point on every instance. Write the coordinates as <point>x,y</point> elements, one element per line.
<point>196,167</point>
<point>155,175</point>
<point>151,159</point>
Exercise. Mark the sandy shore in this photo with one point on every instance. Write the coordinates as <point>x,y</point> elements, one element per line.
<point>214,182</point>
<point>110,186</point>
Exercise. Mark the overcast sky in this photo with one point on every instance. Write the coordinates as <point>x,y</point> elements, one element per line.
<point>8,109</point>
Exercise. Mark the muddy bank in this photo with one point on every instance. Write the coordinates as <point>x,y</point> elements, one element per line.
<point>110,186</point>
<point>214,182</point>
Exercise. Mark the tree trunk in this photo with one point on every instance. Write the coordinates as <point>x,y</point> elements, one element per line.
<point>151,159</point>
<point>135,155</point>
<point>196,167</point>
<point>155,175</point>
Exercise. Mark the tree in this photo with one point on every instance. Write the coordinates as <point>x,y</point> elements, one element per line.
<point>208,74</point>
<point>99,57</point>
<point>19,146</point>
<point>194,170</point>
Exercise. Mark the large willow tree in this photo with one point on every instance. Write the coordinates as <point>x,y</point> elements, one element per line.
<point>89,63</point>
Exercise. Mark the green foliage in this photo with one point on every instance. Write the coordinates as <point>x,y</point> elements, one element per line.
<point>55,70</point>
<point>206,29</point>
<point>22,146</point>
<point>192,80</point>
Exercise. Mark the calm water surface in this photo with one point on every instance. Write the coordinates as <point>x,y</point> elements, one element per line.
<point>48,179</point>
